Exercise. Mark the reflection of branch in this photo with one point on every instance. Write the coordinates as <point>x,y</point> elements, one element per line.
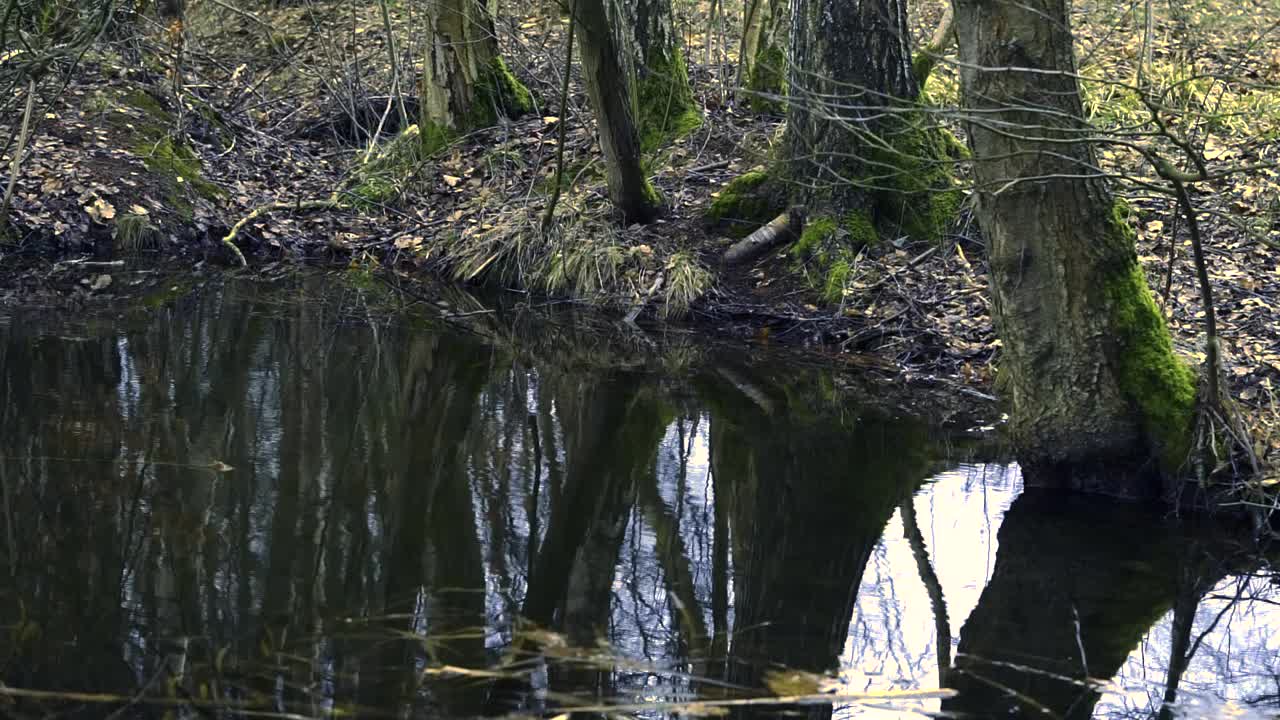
<point>1182,648</point>
<point>911,528</point>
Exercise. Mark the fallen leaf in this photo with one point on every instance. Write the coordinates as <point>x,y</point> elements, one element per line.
<point>100,210</point>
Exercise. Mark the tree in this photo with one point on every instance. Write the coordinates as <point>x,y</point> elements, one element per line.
<point>857,154</point>
<point>762,59</point>
<point>663,94</point>
<point>1099,400</point>
<point>465,83</point>
<point>607,72</point>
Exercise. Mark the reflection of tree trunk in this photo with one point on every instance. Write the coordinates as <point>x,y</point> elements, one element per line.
<point>1195,583</point>
<point>942,624</point>
<point>808,502</point>
<point>1184,615</point>
<point>719,567</point>
<point>677,569</point>
<point>611,433</point>
<point>434,569</point>
<point>1075,584</point>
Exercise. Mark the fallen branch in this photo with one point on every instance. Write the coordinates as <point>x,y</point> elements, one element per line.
<point>229,239</point>
<point>782,229</point>
<point>718,165</point>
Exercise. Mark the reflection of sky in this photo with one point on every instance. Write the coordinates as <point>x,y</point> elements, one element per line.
<point>892,641</point>
<point>893,638</point>
<point>1237,663</point>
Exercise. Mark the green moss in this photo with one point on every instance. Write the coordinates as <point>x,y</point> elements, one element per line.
<point>170,159</point>
<point>652,195</point>
<point>666,104</point>
<point>914,178</point>
<point>497,92</point>
<point>177,164</point>
<point>435,137</point>
<point>922,66</point>
<point>144,101</point>
<point>827,248</point>
<point>815,235</point>
<point>837,280</point>
<point>767,82</point>
<point>1150,374</point>
<point>745,204</point>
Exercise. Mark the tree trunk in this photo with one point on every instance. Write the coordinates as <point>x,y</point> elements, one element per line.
<point>465,83</point>
<point>663,94</point>
<point>857,155</point>
<point>762,57</point>
<point>609,76</point>
<point>1098,399</point>
<point>849,59</point>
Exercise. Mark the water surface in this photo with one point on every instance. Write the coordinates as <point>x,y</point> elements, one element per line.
<point>248,500</point>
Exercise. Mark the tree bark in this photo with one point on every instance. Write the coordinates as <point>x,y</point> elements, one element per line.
<point>1098,400</point>
<point>609,75</point>
<point>849,58</point>
<point>465,83</point>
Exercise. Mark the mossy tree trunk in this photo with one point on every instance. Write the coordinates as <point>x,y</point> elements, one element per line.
<point>762,57</point>
<point>608,70</point>
<point>857,154</point>
<point>849,60</point>
<point>465,83</point>
<point>1098,399</point>
<point>663,93</point>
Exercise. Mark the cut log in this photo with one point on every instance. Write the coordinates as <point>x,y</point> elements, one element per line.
<point>782,229</point>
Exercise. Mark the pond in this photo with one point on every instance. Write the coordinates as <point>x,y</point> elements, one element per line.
<point>250,500</point>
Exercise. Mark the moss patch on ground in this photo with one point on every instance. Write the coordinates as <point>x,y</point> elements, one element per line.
<point>1151,375</point>
<point>171,160</point>
<point>667,107</point>
<point>747,202</point>
<point>382,178</point>
<point>828,248</point>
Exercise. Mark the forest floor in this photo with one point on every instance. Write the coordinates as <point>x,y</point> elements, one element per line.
<point>277,107</point>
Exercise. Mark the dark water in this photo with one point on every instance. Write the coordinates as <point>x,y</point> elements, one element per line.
<point>263,502</point>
